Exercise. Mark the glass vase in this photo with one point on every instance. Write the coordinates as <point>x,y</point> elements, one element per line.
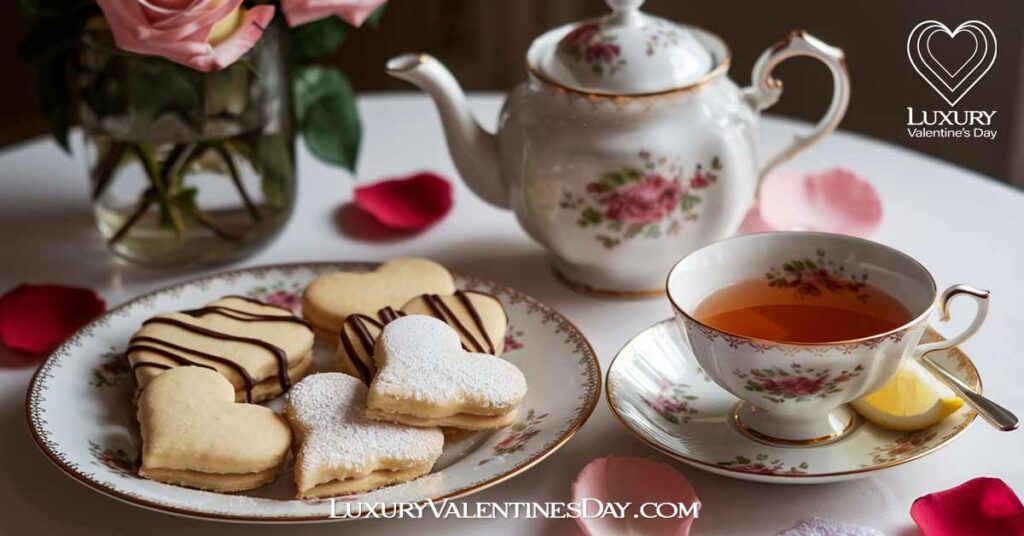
<point>187,167</point>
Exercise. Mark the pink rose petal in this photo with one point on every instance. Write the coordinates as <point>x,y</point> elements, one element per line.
<point>833,201</point>
<point>179,30</point>
<point>354,12</point>
<point>411,203</point>
<point>35,319</point>
<point>637,481</point>
<point>979,507</point>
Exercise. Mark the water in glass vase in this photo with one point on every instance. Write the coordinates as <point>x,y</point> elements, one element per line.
<point>187,167</point>
<point>189,202</point>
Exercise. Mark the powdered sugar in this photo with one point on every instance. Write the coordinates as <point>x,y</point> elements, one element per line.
<point>423,360</point>
<point>330,407</point>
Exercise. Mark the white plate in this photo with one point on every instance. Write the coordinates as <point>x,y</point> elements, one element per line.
<point>80,412</point>
<point>660,394</point>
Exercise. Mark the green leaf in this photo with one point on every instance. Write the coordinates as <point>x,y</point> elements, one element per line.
<point>158,87</point>
<point>275,162</point>
<point>53,86</point>
<point>325,109</point>
<point>374,19</point>
<point>315,40</point>
<point>590,216</point>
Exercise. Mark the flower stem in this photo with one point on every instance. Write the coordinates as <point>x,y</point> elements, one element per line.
<point>145,200</point>
<point>104,170</point>
<point>205,221</point>
<point>163,196</point>
<point>233,172</point>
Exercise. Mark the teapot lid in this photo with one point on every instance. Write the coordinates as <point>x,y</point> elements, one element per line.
<point>626,52</point>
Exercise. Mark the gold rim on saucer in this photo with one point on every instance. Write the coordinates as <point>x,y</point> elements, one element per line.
<point>965,366</point>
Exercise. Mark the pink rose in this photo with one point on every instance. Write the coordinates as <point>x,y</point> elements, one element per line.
<point>649,200</point>
<point>206,35</point>
<point>581,35</point>
<point>794,385</point>
<point>602,52</point>
<point>354,12</point>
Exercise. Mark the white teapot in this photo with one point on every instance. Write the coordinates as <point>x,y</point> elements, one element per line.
<point>628,146</point>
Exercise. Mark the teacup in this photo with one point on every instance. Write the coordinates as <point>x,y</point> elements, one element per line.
<point>797,393</point>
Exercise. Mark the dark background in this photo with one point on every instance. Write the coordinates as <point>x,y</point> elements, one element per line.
<point>483,42</point>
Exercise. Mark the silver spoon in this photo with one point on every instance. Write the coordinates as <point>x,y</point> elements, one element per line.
<point>998,416</point>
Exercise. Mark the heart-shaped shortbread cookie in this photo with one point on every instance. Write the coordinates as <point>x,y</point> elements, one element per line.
<point>425,378</point>
<point>261,349</point>
<point>340,451</point>
<point>331,298</point>
<point>194,434</point>
<point>478,317</point>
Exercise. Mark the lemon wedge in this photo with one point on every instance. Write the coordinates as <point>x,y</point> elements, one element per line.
<point>913,399</point>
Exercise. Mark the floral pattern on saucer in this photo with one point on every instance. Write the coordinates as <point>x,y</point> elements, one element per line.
<point>672,402</point>
<point>644,375</point>
<point>761,466</point>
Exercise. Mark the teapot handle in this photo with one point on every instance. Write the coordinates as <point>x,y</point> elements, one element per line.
<point>765,90</point>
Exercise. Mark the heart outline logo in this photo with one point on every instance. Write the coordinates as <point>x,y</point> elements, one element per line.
<point>952,85</point>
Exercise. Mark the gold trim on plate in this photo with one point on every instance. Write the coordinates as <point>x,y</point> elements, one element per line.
<point>77,475</point>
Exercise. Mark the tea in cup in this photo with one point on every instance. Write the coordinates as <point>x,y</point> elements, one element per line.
<point>798,324</point>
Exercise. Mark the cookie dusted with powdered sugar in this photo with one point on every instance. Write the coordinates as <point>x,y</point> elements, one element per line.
<point>425,378</point>
<point>339,451</point>
<point>478,318</point>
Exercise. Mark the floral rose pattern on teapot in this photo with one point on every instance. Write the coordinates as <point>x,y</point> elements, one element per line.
<point>649,201</point>
<point>589,43</point>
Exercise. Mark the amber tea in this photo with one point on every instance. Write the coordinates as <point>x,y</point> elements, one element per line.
<point>810,313</point>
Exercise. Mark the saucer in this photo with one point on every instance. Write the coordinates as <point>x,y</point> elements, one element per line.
<point>658,392</point>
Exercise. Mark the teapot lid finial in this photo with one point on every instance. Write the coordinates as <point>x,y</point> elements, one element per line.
<point>625,11</point>
<point>625,52</point>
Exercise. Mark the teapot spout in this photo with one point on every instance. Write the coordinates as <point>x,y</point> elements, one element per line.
<point>473,149</point>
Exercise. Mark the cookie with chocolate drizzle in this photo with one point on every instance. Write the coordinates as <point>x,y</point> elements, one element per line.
<point>261,349</point>
<point>477,317</point>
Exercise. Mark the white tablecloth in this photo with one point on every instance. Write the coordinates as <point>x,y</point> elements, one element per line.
<point>964,227</point>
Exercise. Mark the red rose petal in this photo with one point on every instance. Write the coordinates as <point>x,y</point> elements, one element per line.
<point>980,507</point>
<point>410,203</point>
<point>36,318</point>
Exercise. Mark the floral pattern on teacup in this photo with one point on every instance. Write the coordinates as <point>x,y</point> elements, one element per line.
<point>809,277</point>
<point>672,402</point>
<point>589,43</point>
<point>649,200</point>
<point>760,465</point>
<point>517,436</point>
<point>798,383</point>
